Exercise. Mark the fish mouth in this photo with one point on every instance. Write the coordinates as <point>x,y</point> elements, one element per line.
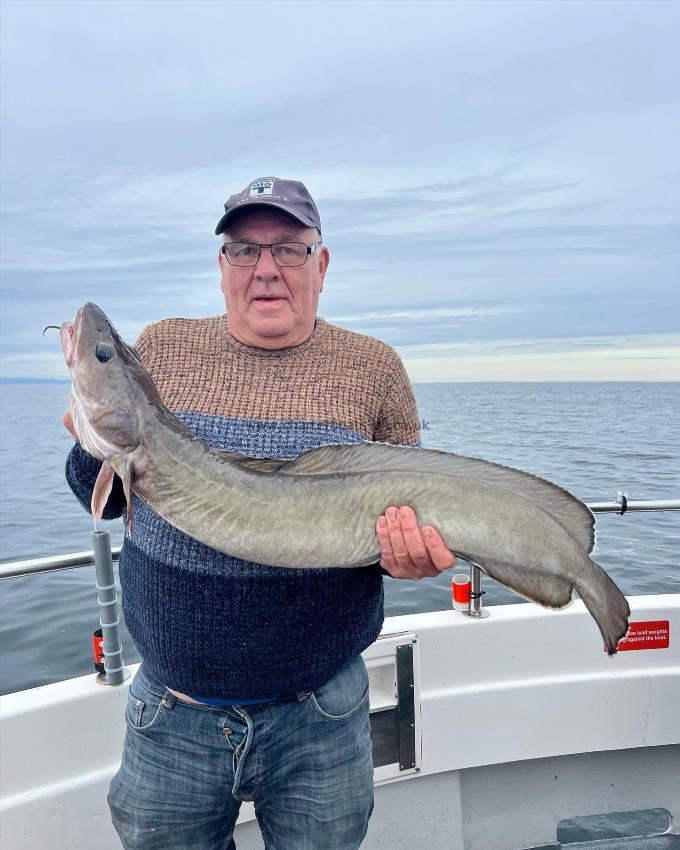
<point>69,339</point>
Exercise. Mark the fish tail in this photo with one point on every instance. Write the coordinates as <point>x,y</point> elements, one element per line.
<point>607,605</point>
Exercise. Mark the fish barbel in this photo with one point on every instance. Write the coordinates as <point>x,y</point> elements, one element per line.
<point>319,509</point>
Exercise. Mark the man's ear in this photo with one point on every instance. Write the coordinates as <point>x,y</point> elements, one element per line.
<point>324,260</point>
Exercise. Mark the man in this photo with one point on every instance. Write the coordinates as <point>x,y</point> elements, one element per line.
<point>251,685</point>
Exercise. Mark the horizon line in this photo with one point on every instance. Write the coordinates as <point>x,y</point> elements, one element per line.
<point>38,380</point>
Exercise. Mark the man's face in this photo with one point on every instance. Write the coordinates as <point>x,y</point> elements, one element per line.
<point>269,306</point>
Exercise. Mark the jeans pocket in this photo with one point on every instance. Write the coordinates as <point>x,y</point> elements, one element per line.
<point>343,696</point>
<point>145,705</point>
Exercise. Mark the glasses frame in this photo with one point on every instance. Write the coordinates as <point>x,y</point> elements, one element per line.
<point>311,249</point>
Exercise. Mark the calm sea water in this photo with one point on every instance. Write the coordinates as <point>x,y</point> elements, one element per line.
<point>593,439</point>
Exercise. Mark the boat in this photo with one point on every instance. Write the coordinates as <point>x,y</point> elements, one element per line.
<point>498,728</point>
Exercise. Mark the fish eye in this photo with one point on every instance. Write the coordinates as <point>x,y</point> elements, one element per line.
<point>104,352</point>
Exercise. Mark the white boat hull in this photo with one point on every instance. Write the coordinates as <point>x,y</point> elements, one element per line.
<point>521,720</point>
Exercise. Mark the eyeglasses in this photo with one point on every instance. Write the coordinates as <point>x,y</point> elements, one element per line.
<point>283,253</point>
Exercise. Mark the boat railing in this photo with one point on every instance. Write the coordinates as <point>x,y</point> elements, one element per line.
<point>107,643</point>
<point>10,569</point>
<point>624,505</point>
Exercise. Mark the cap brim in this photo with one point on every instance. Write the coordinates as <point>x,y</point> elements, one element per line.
<point>222,224</point>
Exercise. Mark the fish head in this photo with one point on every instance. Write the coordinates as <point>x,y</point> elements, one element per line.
<point>107,396</point>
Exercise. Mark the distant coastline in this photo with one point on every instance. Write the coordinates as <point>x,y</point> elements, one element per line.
<point>35,381</point>
<point>415,383</point>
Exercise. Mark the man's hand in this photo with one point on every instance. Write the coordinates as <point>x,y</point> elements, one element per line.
<point>408,551</point>
<point>68,424</point>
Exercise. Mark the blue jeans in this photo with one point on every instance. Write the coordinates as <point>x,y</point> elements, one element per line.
<point>305,763</point>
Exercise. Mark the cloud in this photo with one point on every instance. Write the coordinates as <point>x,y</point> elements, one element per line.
<point>615,358</point>
<point>623,342</point>
<point>413,209</point>
<point>476,183</point>
<point>436,313</point>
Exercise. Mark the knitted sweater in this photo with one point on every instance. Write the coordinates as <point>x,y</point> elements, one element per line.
<point>207,623</point>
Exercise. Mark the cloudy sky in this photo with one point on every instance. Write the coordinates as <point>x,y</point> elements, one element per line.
<point>499,183</point>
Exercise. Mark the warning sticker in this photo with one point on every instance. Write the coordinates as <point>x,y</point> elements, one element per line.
<point>653,634</point>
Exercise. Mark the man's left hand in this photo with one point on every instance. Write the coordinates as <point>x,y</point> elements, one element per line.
<point>409,551</point>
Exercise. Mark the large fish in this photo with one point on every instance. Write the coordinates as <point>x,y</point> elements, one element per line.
<point>319,510</point>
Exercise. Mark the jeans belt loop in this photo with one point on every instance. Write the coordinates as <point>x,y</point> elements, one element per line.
<point>169,699</point>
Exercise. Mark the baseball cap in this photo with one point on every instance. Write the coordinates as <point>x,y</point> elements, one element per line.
<point>291,196</point>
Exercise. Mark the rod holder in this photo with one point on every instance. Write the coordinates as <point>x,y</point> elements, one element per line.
<point>115,672</point>
<point>477,610</point>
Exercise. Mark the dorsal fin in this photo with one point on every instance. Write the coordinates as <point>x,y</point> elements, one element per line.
<point>354,458</point>
<point>261,464</point>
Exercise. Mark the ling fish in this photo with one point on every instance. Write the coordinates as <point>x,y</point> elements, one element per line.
<point>319,510</point>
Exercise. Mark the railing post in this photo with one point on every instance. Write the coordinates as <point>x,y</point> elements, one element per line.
<point>476,608</point>
<point>108,611</point>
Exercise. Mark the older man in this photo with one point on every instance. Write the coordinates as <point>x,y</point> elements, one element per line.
<point>252,686</point>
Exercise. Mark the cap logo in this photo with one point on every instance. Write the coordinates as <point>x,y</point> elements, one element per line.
<point>262,187</point>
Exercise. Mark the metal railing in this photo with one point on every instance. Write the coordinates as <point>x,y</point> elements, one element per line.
<point>625,505</point>
<point>11,569</point>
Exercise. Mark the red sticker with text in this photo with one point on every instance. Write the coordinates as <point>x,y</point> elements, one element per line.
<point>653,634</point>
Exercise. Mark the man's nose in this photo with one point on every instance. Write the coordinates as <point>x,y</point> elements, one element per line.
<point>266,267</point>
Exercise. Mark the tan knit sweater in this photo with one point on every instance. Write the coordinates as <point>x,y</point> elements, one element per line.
<point>336,377</point>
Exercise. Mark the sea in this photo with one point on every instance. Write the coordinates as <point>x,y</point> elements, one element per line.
<point>595,439</point>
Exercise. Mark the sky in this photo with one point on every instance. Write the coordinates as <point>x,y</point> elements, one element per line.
<point>498,183</point>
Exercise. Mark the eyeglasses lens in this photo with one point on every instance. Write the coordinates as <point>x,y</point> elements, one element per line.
<point>248,253</point>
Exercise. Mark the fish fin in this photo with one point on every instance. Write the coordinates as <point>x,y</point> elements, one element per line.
<point>126,471</point>
<point>606,603</point>
<point>102,490</point>
<point>547,590</point>
<point>262,464</point>
<point>349,458</point>
<point>603,599</point>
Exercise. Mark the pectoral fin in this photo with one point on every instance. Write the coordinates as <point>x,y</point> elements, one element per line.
<point>126,471</point>
<point>102,490</point>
